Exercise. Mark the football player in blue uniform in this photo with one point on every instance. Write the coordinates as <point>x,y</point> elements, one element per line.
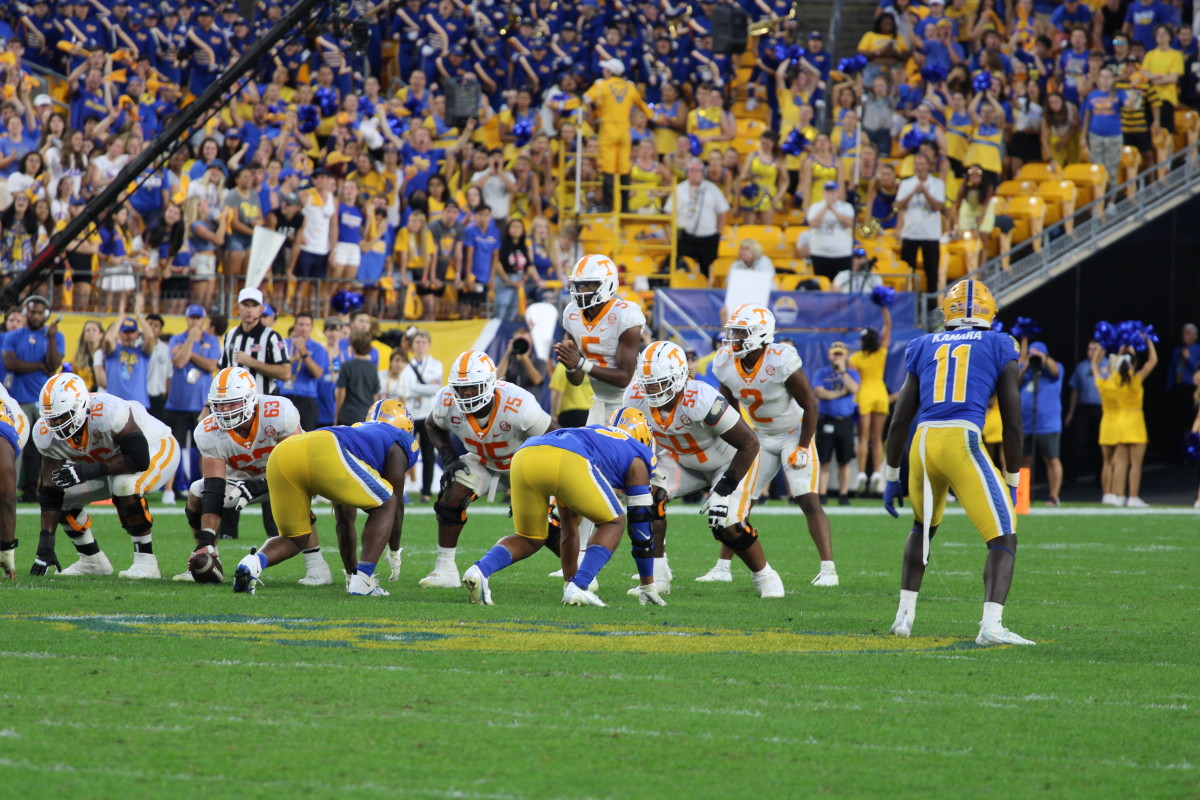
<point>581,469</point>
<point>355,466</point>
<point>14,429</point>
<point>952,376</point>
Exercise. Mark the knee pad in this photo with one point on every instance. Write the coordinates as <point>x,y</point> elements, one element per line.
<point>76,522</point>
<point>134,515</point>
<point>193,517</point>
<point>554,539</point>
<point>659,495</point>
<point>739,537</point>
<point>449,514</point>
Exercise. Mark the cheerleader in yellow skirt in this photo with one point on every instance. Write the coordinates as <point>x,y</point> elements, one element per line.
<point>1123,423</point>
<point>765,171</point>
<point>872,399</point>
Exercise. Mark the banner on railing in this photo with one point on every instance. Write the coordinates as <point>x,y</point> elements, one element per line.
<point>264,246</point>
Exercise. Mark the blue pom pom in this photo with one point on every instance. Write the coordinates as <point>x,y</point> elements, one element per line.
<point>366,109</point>
<point>934,73</point>
<point>750,191</point>
<point>345,302</point>
<point>414,106</point>
<point>997,326</point>
<point>695,146</point>
<point>307,119</point>
<point>327,101</point>
<point>795,53</point>
<point>883,296</point>
<point>1106,335</point>
<point>781,52</point>
<point>852,65</point>
<point>523,131</point>
<point>910,95</point>
<point>795,143</point>
<point>397,125</point>
<point>1026,328</point>
<point>913,139</point>
<point>982,82</point>
<point>1150,334</point>
<point>1191,447</point>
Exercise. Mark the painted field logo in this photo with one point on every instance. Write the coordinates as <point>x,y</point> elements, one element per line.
<point>498,636</point>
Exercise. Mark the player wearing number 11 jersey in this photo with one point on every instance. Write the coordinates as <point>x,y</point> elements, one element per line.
<point>952,376</point>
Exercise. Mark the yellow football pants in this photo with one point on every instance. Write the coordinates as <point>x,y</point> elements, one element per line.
<point>543,471</point>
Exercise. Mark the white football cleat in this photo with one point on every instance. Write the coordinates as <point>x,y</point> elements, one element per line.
<point>998,634</point>
<point>574,596</point>
<point>442,577</point>
<point>767,582</point>
<point>97,564</point>
<point>145,565</point>
<point>1136,502</point>
<point>184,577</point>
<point>477,588</point>
<point>558,573</point>
<point>393,558</point>
<point>365,586</point>
<point>877,483</point>
<point>318,575</point>
<point>168,497</point>
<point>660,585</point>
<point>860,483</point>
<point>826,577</point>
<point>721,573</point>
<point>902,627</point>
<point>246,576</point>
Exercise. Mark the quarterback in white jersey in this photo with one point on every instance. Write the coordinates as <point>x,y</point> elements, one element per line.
<point>604,335</point>
<point>14,428</point>
<point>97,447</point>
<point>766,380</point>
<point>702,444</point>
<point>234,442</point>
<point>493,419</point>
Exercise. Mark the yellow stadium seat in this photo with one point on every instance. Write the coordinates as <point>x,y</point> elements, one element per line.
<point>1091,181</point>
<point>791,217</point>
<point>1060,201</point>
<point>750,128</point>
<point>789,283</point>
<point>790,234</point>
<point>1039,172</point>
<point>686,279</point>
<point>639,264</point>
<point>769,236</point>
<point>1029,214</point>
<point>822,280</point>
<point>744,145</point>
<point>728,248</point>
<point>720,271</point>
<point>1187,127</point>
<point>1016,188</point>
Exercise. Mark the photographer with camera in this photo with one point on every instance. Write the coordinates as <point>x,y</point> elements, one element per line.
<point>1041,411</point>
<point>518,365</point>
<point>859,278</point>
<point>835,387</point>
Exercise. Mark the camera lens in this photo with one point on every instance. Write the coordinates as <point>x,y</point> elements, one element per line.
<point>520,346</point>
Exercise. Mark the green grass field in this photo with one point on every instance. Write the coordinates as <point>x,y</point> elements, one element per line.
<point>115,688</point>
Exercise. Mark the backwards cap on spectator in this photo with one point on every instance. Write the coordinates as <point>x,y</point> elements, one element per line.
<point>614,66</point>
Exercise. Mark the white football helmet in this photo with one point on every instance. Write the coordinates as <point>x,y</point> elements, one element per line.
<point>662,373</point>
<point>751,327</point>
<point>594,281</point>
<point>233,397</point>
<point>473,380</point>
<point>66,404</point>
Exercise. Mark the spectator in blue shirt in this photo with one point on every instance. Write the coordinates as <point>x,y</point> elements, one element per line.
<point>1083,414</point>
<point>1181,379</point>
<point>310,361</point>
<point>194,356</point>
<point>125,359</point>
<point>335,333</point>
<point>481,246</point>
<point>1041,411</point>
<point>1143,17</point>
<point>31,355</point>
<point>835,387</point>
<point>1101,113</point>
<point>1072,14</point>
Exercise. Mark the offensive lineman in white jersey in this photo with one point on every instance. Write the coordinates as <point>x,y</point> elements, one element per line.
<point>97,447</point>
<point>766,380</point>
<point>493,419</point>
<point>703,444</point>
<point>234,442</point>
<point>603,337</point>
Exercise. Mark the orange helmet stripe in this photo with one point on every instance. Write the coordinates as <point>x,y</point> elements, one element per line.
<point>223,379</point>
<point>464,361</point>
<point>649,357</point>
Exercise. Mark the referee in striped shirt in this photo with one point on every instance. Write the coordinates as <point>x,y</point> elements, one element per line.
<point>256,347</point>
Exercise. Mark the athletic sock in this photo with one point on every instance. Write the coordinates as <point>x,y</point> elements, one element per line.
<point>661,569</point>
<point>992,614</point>
<point>908,603</point>
<point>313,559</point>
<point>827,566</point>
<point>645,567</point>
<point>143,544</point>
<point>494,560</point>
<point>724,565</point>
<point>366,568</point>
<point>85,545</point>
<point>593,561</point>
<point>262,559</point>
<point>445,556</point>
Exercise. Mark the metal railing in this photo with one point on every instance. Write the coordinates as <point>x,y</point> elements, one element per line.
<point>1059,247</point>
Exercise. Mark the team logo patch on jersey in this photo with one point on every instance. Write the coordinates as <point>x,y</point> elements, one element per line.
<point>612,318</point>
<point>504,426</point>
<point>269,430</point>
<point>685,420</point>
<point>770,369</point>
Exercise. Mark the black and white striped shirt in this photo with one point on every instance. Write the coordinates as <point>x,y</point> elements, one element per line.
<point>259,342</point>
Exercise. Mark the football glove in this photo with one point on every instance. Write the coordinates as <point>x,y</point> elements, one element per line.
<point>239,494</point>
<point>798,458</point>
<point>46,557</point>
<point>893,495</point>
<point>72,474</point>
<point>8,559</point>
<point>648,594</point>
<point>452,464</point>
<point>716,506</point>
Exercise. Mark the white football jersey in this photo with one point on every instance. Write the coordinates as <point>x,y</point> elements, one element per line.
<point>762,392</point>
<point>598,339</point>
<point>275,419</point>
<point>10,412</point>
<point>691,432</point>
<point>515,417</point>
<point>110,414</point>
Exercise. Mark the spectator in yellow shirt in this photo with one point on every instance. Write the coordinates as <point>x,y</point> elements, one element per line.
<point>612,98</point>
<point>1163,66</point>
<point>569,404</point>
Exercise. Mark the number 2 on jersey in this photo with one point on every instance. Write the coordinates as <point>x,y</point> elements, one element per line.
<point>756,400</point>
<point>962,360</point>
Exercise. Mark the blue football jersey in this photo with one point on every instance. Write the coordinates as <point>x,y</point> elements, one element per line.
<point>370,442</point>
<point>958,371</point>
<point>611,451</point>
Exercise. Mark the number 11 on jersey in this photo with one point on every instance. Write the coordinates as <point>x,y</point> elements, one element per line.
<point>961,356</point>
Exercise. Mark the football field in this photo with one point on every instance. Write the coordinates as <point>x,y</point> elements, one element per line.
<point>117,688</point>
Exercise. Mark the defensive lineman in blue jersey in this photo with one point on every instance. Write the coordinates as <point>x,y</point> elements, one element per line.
<point>951,378</point>
<point>14,430</point>
<point>581,469</point>
<point>355,467</point>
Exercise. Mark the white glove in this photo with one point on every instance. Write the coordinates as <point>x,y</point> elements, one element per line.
<point>648,594</point>
<point>8,565</point>
<point>716,506</point>
<point>426,50</point>
<point>237,496</point>
<point>798,458</point>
